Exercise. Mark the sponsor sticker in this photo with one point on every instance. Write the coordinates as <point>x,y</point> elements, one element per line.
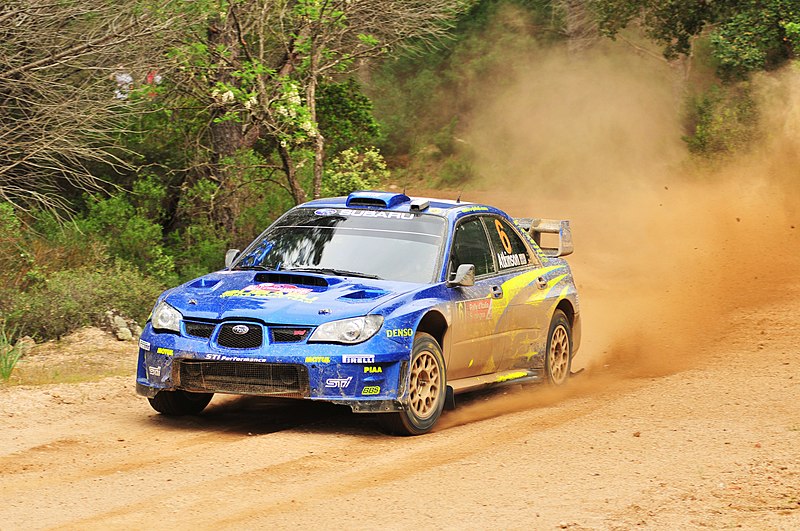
<point>222,357</point>
<point>400,332</point>
<point>511,260</point>
<point>338,383</point>
<point>373,370</point>
<point>270,290</point>
<point>325,212</point>
<point>164,351</point>
<point>375,214</point>
<point>475,310</point>
<point>318,359</point>
<point>371,390</point>
<point>358,358</point>
<point>153,371</point>
<point>144,345</point>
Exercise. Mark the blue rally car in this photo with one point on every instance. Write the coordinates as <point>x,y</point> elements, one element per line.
<point>377,301</point>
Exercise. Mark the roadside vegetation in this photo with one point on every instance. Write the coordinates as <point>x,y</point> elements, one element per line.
<point>142,140</point>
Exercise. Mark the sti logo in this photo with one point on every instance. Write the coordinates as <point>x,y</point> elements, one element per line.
<point>338,383</point>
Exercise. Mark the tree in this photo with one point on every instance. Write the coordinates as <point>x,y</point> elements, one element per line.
<point>745,35</point>
<point>68,72</point>
<point>261,63</point>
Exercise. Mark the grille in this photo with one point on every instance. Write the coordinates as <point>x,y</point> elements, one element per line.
<point>250,339</point>
<point>288,335</point>
<point>203,330</point>
<point>243,377</point>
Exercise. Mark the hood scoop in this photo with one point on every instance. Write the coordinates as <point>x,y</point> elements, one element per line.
<point>298,279</point>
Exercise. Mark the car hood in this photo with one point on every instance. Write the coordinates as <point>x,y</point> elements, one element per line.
<point>282,297</point>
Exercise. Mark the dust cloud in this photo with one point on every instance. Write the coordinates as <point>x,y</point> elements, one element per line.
<point>668,252</point>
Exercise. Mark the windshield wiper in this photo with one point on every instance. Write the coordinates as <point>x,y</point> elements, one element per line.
<point>337,272</point>
<point>252,268</point>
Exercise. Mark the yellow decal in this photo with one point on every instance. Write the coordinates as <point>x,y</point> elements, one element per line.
<point>474,209</point>
<point>400,332</point>
<point>371,390</point>
<point>317,359</point>
<point>512,376</point>
<point>513,286</point>
<point>540,295</point>
<point>373,369</point>
<point>164,351</point>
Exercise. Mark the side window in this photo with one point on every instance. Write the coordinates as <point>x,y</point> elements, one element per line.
<point>471,247</point>
<point>508,246</point>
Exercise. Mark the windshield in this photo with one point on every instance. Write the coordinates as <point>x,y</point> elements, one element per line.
<point>365,243</point>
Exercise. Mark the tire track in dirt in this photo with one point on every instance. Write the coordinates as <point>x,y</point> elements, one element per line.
<point>399,459</point>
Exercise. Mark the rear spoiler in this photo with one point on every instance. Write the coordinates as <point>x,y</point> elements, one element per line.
<point>537,226</point>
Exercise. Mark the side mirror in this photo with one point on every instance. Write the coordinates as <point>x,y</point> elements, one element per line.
<point>465,276</point>
<point>230,256</point>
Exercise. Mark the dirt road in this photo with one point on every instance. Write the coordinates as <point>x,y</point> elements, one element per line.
<point>686,417</point>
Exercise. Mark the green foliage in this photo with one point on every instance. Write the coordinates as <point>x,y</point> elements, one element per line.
<point>129,233</point>
<point>345,116</point>
<point>455,171</point>
<point>746,35</point>
<point>350,171</point>
<point>10,353</point>
<point>755,38</point>
<point>792,33</point>
<point>79,297</point>
<point>722,121</point>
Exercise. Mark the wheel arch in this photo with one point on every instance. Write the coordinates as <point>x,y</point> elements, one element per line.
<point>566,306</point>
<point>435,324</point>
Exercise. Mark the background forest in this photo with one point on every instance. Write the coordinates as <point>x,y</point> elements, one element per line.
<point>139,139</point>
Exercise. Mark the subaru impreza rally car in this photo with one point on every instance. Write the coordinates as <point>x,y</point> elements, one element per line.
<point>377,301</point>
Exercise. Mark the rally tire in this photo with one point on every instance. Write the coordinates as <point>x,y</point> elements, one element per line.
<point>558,356</point>
<point>177,403</point>
<point>427,389</point>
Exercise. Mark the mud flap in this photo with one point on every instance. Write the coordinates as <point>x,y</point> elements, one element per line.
<point>449,399</point>
<point>576,373</point>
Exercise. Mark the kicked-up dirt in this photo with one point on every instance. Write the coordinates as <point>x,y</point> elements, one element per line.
<point>685,417</point>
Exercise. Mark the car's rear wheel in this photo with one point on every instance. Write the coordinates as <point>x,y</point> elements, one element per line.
<point>427,386</point>
<point>558,358</point>
<point>175,403</point>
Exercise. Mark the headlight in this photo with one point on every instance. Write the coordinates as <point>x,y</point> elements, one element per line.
<point>350,331</point>
<point>165,317</point>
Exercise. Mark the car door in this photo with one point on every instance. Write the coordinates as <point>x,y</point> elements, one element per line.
<point>524,319</point>
<point>473,350</point>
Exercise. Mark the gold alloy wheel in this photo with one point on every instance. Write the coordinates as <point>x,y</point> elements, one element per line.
<point>559,354</point>
<point>425,385</point>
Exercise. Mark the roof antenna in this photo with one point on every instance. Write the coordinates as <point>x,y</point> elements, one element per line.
<point>458,199</point>
<point>404,189</point>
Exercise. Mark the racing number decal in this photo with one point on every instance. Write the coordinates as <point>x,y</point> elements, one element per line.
<point>503,236</point>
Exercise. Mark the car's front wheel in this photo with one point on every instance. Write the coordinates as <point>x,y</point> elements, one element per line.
<point>175,403</point>
<point>427,387</point>
<point>558,358</point>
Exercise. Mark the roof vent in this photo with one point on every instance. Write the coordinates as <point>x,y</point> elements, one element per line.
<point>420,204</point>
<point>376,199</point>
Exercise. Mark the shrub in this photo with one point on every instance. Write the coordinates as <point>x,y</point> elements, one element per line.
<point>80,297</point>
<point>10,353</point>
<point>351,171</point>
<point>722,120</point>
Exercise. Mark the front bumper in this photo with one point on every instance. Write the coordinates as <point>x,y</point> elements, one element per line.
<point>369,377</point>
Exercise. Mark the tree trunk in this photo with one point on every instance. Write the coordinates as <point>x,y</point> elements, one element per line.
<point>298,194</point>
<point>319,140</point>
